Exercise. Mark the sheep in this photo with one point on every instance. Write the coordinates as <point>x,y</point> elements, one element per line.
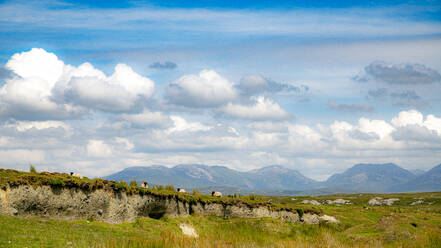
<point>181,190</point>
<point>76,175</point>
<point>216,194</point>
<point>145,185</point>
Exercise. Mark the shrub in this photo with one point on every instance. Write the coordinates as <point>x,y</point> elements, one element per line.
<point>56,182</point>
<point>32,169</point>
<point>169,187</point>
<point>195,192</point>
<point>134,183</point>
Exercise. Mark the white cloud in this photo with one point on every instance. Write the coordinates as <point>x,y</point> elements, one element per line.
<point>414,119</point>
<point>207,89</point>
<point>379,127</point>
<point>147,119</point>
<point>128,145</point>
<point>411,117</point>
<point>263,109</point>
<point>21,156</point>
<point>23,126</point>
<point>45,88</point>
<point>180,124</point>
<point>97,148</point>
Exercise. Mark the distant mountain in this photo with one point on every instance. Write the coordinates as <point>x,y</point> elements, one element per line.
<point>276,177</point>
<point>429,181</point>
<point>279,180</point>
<point>418,172</point>
<point>191,176</point>
<point>370,178</point>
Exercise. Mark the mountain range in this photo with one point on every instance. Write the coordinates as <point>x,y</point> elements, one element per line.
<point>279,180</point>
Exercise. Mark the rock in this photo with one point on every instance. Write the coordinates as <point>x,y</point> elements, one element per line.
<point>328,219</point>
<point>69,243</point>
<point>390,201</point>
<point>188,230</point>
<point>311,219</point>
<point>378,201</point>
<point>341,201</point>
<point>100,211</point>
<point>313,202</point>
<point>417,203</point>
<point>375,201</point>
<point>337,202</point>
<point>14,211</point>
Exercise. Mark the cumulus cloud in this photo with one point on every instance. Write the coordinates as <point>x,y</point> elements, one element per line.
<point>207,89</point>
<point>257,84</point>
<point>43,87</point>
<point>344,107</point>
<point>167,65</point>
<point>262,109</point>
<point>98,148</point>
<point>180,124</point>
<point>399,74</point>
<point>147,119</point>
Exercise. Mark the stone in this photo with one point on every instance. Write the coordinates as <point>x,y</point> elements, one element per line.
<point>188,230</point>
<point>313,202</point>
<point>328,219</point>
<point>311,219</point>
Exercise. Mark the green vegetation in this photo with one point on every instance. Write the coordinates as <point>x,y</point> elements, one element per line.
<point>133,183</point>
<point>361,225</point>
<point>32,169</point>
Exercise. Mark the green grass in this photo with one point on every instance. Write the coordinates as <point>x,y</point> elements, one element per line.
<point>399,225</point>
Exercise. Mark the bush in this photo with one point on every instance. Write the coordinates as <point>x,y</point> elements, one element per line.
<point>195,192</point>
<point>32,169</point>
<point>169,187</point>
<point>134,183</point>
<point>56,182</point>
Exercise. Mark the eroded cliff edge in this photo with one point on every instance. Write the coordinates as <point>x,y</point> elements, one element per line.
<point>118,207</point>
<point>58,195</point>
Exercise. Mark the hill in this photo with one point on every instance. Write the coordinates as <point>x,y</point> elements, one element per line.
<point>190,176</point>
<point>429,181</point>
<point>370,177</point>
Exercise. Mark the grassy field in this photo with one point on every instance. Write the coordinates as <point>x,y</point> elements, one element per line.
<point>400,225</point>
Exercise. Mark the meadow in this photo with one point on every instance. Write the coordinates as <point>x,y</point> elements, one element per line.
<point>361,225</point>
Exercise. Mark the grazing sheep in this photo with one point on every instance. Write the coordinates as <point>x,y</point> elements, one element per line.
<point>144,185</point>
<point>181,190</point>
<point>76,175</point>
<point>216,194</point>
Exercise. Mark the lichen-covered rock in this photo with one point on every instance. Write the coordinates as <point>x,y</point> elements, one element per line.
<point>380,201</point>
<point>338,202</point>
<point>313,202</point>
<point>311,219</point>
<point>328,219</point>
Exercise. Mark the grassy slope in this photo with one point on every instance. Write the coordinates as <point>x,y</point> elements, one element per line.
<point>361,226</point>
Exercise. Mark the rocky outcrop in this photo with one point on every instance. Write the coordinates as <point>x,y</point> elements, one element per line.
<point>380,201</point>
<point>118,207</point>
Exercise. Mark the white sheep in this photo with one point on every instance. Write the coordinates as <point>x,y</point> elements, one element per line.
<point>216,194</point>
<point>145,185</point>
<point>76,175</point>
<point>181,190</point>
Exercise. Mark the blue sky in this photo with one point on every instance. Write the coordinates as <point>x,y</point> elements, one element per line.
<point>312,86</point>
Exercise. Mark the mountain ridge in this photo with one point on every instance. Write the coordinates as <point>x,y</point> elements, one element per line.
<point>280,180</point>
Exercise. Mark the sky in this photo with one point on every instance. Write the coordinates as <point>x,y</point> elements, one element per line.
<point>316,86</point>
